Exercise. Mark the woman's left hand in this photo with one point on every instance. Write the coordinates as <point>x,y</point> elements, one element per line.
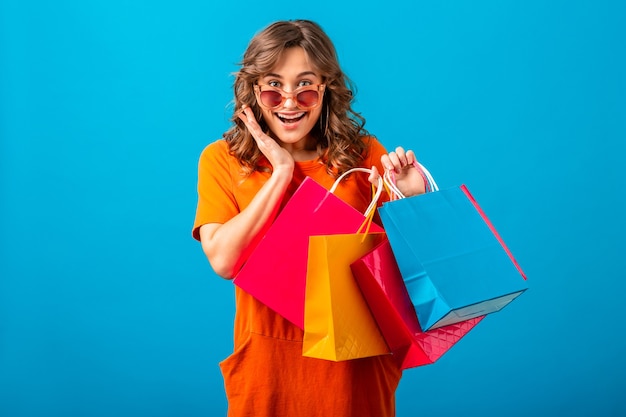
<point>408,178</point>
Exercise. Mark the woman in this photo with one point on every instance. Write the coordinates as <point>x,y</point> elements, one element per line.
<point>294,119</point>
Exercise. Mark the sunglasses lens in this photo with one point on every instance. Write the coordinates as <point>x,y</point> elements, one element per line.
<point>271,98</point>
<point>307,98</point>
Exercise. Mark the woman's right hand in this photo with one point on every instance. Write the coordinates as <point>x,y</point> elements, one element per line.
<point>278,157</point>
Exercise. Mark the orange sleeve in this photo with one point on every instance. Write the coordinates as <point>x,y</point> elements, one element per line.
<point>216,199</point>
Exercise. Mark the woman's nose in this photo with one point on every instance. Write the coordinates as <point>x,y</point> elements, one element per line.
<point>290,101</point>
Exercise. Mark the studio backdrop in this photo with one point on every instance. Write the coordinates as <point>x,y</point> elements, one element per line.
<point>108,306</point>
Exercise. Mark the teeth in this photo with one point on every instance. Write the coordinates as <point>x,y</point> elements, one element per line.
<point>290,116</point>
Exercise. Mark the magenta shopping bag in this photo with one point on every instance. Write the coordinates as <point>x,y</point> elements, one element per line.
<point>275,272</point>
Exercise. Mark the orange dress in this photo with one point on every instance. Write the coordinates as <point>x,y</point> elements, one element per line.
<point>267,376</point>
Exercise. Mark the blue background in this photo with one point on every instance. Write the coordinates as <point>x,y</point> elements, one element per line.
<point>109,308</point>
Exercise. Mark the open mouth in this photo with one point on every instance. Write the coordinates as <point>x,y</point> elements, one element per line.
<point>291,117</point>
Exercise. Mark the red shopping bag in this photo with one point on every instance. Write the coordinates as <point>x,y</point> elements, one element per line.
<point>275,272</point>
<point>383,287</point>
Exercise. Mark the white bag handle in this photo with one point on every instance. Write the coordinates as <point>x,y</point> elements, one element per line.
<point>391,183</point>
<point>379,189</point>
<point>431,180</point>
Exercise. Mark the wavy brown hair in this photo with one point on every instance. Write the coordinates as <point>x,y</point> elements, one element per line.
<point>339,130</point>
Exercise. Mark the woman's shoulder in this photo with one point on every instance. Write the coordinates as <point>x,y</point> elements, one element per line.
<point>216,147</point>
<point>217,156</point>
<point>217,151</point>
<point>371,140</point>
<point>373,147</point>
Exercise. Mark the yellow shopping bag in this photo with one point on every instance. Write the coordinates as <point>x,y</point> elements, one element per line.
<point>338,324</point>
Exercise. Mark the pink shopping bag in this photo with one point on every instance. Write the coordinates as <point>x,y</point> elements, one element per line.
<point>275,272</point>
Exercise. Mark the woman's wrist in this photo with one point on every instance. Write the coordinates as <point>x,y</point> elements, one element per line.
<point>282,175</point>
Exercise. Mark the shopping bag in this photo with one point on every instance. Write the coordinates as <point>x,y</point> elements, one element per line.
<point>338,324</point>
<point>453,261</point>
<point>379,279</point>
<point>275,272</point>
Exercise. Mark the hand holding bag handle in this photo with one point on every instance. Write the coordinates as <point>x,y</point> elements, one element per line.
<point>395,193</point>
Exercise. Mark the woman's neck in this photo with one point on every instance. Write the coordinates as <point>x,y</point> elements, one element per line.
<point>305,150</point>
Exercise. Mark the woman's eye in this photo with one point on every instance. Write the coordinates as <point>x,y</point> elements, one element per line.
<point>304,83</point>
<point>273,84</point>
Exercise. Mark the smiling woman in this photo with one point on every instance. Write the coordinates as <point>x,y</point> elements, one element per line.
<point>294,120</point>
<point>292,117</point>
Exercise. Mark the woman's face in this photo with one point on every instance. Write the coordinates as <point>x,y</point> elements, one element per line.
<point>290,124</point>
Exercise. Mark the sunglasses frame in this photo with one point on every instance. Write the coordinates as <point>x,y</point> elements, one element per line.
<point>319,88</point>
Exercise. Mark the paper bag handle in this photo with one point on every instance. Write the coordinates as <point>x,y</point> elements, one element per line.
<point>370,209</point>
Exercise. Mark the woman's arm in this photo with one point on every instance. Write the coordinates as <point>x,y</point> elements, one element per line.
<point>228,245</point>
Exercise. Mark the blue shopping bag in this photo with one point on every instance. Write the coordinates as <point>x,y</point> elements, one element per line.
<point>454,263</point>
